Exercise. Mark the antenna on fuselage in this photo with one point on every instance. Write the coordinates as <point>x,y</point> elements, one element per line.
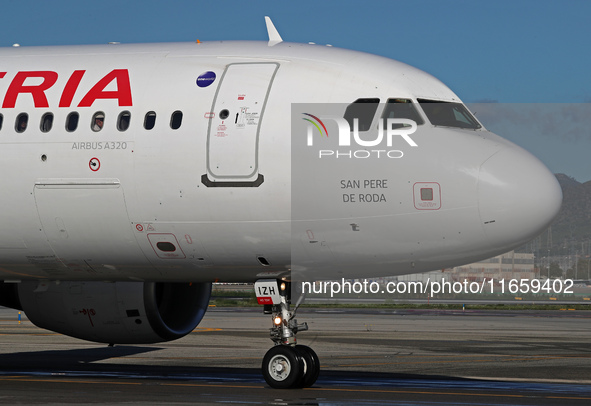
<point>274,37</point>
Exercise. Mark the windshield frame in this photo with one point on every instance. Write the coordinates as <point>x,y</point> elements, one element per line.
<point>449,114</point>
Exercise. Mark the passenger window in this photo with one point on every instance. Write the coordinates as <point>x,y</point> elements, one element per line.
<point>176,120</point>
<point>402,108</point>
<point>72,121</point>
<point>123,121</point>
<point>46,122</point>
<point>21,122</point>
<point>98,121</point>
<point>1,120</point>
<point>364,110</point>
<point>150,120</point>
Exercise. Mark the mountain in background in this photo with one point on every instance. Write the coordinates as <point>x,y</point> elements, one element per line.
<point>570,234</point>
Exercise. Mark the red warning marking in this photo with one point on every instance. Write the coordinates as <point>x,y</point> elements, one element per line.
<point>94,164</point>
<point>209,114</point>
<point>139,227</point>
<point>310,234</point>
<point>264,300</point>
<point>89,313</point>
<point>241,96</point>
<point>188,239</point>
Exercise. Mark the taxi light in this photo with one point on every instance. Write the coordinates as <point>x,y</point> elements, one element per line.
<point>277,320</point>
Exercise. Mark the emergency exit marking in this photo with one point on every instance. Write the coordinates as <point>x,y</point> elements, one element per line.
<point>94,164</point>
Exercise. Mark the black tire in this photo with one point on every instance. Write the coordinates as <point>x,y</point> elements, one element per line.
<point>282,367</point>
<point>311,366</point>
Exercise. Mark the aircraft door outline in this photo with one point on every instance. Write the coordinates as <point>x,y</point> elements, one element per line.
<point>234,127</point>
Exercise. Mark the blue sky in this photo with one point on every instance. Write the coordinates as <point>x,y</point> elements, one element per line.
<point>519,51</point>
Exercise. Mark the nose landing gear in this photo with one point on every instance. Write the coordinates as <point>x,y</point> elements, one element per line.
<point>285,365</point>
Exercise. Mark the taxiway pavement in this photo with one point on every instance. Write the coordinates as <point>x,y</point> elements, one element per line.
<point>368,357</point>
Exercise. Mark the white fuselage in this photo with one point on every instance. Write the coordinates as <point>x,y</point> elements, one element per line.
<point>203,203</point>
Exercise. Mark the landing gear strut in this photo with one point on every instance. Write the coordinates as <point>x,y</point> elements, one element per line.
<point>285,365</point>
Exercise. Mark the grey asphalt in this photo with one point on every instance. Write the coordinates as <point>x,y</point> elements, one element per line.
<point>368,357</point>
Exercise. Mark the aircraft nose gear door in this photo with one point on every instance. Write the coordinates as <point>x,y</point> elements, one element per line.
<point>286,365</point>
<point>234,126</point>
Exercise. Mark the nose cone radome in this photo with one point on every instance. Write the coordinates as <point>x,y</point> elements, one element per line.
<point>518,197</point>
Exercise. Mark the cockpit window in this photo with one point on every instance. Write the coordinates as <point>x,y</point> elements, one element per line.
<point>364,110</point>
<point>402,108</point>
<point>448,114</point>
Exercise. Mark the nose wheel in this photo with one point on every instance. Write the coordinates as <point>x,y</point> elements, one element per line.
<point>287,366</point>
<point>311,365</point>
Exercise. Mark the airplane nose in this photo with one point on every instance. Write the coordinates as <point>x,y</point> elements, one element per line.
<point>518,197</point>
